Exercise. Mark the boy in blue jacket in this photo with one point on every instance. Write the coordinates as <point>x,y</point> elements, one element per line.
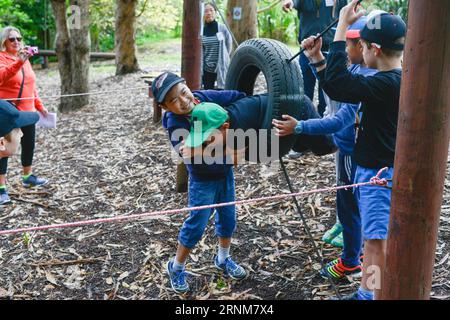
<point>214,182</point>
<point>208,183</point>
<point>343,126</point>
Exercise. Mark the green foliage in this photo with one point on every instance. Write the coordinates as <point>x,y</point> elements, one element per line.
<point>163,17</point>
<point>277,24</point>
<point>160,19</point>
<point>399,7</point>
<point>102,24</point>
<point>31,17</point>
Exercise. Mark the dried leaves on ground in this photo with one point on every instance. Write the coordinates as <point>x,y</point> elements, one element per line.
<point>109,159</point>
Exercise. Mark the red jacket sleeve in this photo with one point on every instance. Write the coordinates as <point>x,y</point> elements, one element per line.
<point>37,102</point>
<point>8,71</point>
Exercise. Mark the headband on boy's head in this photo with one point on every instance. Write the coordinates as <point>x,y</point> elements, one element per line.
<point>163,83</point>
<point>385,29</point>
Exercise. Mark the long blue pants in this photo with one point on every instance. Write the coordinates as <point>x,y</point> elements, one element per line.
<point>348,212</point>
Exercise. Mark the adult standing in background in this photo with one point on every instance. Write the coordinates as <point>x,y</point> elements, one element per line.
<point>216,46</point>
<point>17,80</point>
<point>314,16</point>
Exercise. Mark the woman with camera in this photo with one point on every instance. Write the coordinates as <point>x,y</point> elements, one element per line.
<point>17,80</point>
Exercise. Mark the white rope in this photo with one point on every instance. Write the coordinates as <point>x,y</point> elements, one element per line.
<point>76,94</point>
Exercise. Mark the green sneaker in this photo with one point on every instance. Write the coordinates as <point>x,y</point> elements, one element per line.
<point>332,233</point>
<point>338,241</point>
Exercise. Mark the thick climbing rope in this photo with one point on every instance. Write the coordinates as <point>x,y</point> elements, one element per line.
<point>308,231</point>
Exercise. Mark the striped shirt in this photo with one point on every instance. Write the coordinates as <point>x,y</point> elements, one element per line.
<point>210,44</point>
<point>210,53</point>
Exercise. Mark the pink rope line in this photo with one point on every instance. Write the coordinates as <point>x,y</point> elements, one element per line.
<point>376,181</point>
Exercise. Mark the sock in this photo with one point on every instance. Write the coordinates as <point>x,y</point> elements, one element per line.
<point>177,266</point>
<point>364,294</point>
<point>25,177</point>
<point>222,254</point>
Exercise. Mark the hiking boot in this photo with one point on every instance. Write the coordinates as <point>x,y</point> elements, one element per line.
<point>4,197</point>
<point>332,233</point>
<point>33,181</point>
<point>337,270</point>
<point>231,268</point>
<point>338,241</point>
<point>177,278</point>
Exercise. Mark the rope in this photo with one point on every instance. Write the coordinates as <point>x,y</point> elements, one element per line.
<point>75,94</point>
<point>226,24</point>
<point>308,231</point>
<point>374,181</point>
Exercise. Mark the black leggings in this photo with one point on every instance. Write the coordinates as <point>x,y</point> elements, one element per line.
<point>27,143</point>
<point>209,79</point>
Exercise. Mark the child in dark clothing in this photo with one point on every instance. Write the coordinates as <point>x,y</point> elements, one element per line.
<point>383,43</point>
<point>342,125</point>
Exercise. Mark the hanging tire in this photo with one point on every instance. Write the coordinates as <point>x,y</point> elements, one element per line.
<point>284,80</point>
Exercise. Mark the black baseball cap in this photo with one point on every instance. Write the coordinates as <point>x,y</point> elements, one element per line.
<point>163,83</point>
<point>385,29</point>
<point>11,118</point>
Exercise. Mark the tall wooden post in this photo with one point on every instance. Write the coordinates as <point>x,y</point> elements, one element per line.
<point>190,63</point>
<point>421,153</point>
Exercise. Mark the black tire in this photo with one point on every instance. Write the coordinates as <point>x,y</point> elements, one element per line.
<point>284,80</point>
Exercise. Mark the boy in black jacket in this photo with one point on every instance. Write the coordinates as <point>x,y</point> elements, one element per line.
<point>383,42</point>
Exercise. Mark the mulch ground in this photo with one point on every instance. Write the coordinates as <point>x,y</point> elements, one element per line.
<point>109,159</point>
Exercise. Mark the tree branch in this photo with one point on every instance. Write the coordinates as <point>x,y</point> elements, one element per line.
<point>270,6</point>
<point>143,9</point>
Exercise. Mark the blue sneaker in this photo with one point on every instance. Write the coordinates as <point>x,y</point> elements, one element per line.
<point>231,268</point>
<point>353,296</point>
<point>177,278</point>
<point>33,181</point>
<point>4,197</point>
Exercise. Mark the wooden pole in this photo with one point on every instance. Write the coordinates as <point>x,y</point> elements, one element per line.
<point>190,63</point>
<point>421,153</point>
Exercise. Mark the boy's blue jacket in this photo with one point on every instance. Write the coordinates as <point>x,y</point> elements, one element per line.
<point>172,122</point>
<point>342,124</point>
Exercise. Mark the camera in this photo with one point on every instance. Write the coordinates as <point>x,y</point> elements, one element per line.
<point>33,50</point>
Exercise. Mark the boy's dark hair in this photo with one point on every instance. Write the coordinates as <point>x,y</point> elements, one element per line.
<point>354,41</point>
<point>8,137</point>
<point>390,52</point>
<point>211,4</point>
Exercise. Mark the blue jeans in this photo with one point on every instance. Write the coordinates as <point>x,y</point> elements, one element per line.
<point>348,213</point>
<point>204,193</point>
<point>309,83</point>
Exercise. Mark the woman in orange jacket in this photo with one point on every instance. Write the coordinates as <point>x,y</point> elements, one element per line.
<point>17,80</point>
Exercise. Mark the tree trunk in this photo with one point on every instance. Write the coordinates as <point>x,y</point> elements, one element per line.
<point>242,18</point>
<point>125,42</point>
<point>80,46</point>
<point>72,48</point>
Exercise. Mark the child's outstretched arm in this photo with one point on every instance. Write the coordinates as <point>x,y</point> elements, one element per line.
<point>344,118</point>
